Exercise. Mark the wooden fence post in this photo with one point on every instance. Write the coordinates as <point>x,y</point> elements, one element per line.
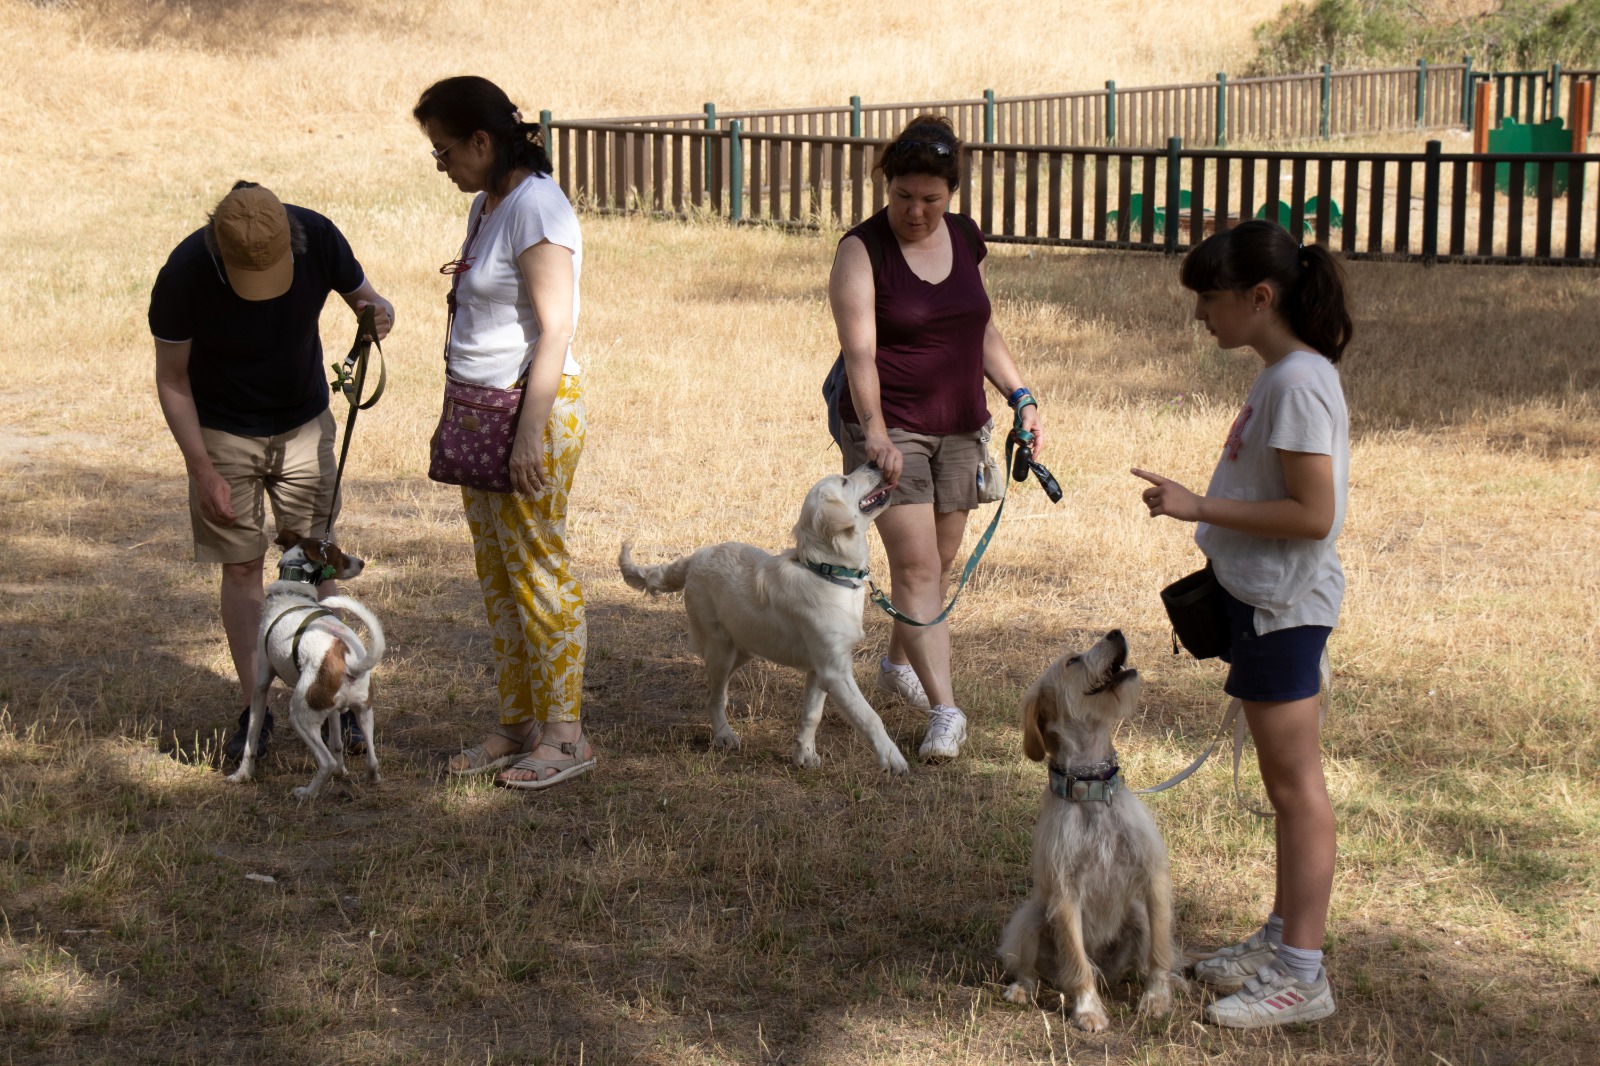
<point>735,171</point>
<point>1170,214</point>
<point>855,116</point>
<point>1466,91</point>
<point>1430,204</point>
<point>1582,99</point>
<point>1327,100</point>
<point>549,141</point>
<point>711,152</point>
<point>1554,109</point>
<point>1222,110</point>
<point>1111,113</point>
<point>1422,93</point>
<point>1480,130</point>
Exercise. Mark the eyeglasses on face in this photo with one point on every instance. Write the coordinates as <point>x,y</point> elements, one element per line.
<point>439,153</point>
<point>938,148</point>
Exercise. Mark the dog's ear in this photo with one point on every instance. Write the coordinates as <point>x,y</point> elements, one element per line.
<point>1034,744</point>
<point>287,538</point>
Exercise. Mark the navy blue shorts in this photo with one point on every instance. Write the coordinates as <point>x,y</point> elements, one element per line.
<point>1276,668</point>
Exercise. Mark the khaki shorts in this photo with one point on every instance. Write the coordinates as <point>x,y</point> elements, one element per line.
<point>295,469</point>
<point>942,471</point>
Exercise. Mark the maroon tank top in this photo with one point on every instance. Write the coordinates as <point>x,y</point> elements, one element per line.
<point>930,337</point>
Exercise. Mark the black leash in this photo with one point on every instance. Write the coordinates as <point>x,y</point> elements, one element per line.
<point>350,378</point>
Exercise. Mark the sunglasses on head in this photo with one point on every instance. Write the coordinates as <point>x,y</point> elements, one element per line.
<point>938,148</point>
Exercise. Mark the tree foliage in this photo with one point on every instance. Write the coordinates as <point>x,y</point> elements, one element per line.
<point>1506,34</point>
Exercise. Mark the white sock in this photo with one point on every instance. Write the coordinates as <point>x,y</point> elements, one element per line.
<point>1274,929</point>
<point>1300,963</point>
<point>886,666</point>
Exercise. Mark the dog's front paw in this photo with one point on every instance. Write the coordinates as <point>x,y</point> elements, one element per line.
<point>1091,1019</point>
<point>725,740</point>
<point>305,792</point>
<point>238,777</point>
<point>895,763</point>
<point>1018,993</point>
<point>373,777</point>
<point>1157,998</point>
<point>806,757</point>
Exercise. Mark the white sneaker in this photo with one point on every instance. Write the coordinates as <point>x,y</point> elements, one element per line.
<point>1235,964</point>
<point>947,731</point>
<point>1273,998</point>
<point>902,683</point>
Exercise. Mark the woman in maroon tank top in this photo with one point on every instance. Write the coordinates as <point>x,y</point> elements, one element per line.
<point>908,297</point>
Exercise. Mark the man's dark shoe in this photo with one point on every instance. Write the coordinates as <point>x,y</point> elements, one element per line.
<point>355,741</point>
<point>233,750</point>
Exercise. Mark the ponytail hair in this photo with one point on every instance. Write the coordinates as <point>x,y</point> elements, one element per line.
<point>1308,280</point>
<point>463,105</point>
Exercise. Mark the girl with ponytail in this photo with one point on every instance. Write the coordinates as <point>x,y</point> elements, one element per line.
<point>1267,525</point>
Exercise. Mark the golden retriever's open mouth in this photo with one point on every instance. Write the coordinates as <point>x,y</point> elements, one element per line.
<point>874,500</point>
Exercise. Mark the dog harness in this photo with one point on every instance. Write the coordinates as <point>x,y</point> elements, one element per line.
<point>314,614</point>
<point>1095,783</point>
<point>306,572</point>
<point>838,575</point>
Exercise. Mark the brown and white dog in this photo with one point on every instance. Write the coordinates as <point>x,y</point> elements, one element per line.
<point>801,608</point>
<point>1102,896</point>
<point>322,661</point>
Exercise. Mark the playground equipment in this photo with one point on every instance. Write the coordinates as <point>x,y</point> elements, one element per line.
<point>1511,136</point>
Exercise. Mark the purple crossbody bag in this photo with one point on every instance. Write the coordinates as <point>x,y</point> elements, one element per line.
<point>472,444</point>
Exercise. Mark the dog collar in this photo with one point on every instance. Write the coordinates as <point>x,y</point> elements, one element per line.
<point>1095,783</point>
<point>307,572</point>
<point>838,575</point>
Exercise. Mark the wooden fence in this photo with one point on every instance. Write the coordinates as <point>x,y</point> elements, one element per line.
<point>1428,206</point>
<point>1298,107</point>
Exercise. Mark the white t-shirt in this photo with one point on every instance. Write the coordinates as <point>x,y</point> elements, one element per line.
<point>492,339</point>
<point>1296,405</point>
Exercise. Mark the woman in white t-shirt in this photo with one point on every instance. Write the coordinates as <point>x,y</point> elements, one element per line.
<point>514,295</point>
<point>1267,524</point>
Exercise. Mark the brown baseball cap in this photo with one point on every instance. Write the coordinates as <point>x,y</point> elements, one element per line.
<point>252,231</point>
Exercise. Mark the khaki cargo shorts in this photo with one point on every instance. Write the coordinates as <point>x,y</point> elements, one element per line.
<point>295,470</point>
<point>942,471</point>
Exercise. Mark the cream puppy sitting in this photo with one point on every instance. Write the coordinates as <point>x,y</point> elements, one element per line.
<point>801,608</point>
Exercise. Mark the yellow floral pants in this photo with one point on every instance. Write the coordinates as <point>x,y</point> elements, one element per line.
<point>534,603</point>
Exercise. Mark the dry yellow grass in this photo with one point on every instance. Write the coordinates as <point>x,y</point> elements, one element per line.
<point>682,906</point>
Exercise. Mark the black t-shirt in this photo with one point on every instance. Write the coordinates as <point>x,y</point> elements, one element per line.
<point>255,366</point>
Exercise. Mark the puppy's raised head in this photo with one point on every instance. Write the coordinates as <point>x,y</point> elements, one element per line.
<point>836,514</point>
<point>1079,698</point>
<point>325,556</point>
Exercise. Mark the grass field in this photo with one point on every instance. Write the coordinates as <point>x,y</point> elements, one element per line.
<point>679,905</point>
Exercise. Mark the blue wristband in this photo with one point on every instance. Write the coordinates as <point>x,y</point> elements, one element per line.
<point>1016,397</point>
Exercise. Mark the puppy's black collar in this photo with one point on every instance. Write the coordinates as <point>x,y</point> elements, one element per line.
<point>306,572</point>
<point>1095,783</point>
<point>838,575</point>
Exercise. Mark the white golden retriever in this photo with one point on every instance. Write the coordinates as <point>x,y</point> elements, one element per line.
<point>1102,897</point>
<point>801,608</point>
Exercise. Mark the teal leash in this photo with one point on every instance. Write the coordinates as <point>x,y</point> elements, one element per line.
<point>889,609</point>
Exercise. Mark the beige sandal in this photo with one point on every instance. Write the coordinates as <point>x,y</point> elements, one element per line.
<point>579,759</point>
<point>479,761</point>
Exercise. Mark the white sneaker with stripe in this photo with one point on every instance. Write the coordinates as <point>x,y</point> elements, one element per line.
<point>1271,998</point>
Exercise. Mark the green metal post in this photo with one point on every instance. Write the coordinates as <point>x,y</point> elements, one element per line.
<point>988,116</point>
<point>549,139</point>
<point>1327,101</point>
<point>1222,110</point>
<point>1111,112</point>
<point>1171,214</point>
<point>736,171</point>
<point>1430,204</point>
<point>1422,93</point>
<point>712,156</point>
<point>1554,110</point>
<point>1467,85</point>
<point>855,116</point>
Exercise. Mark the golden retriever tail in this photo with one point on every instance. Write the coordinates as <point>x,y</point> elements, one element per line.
<point>668,577</point>
<point>375,642</point>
